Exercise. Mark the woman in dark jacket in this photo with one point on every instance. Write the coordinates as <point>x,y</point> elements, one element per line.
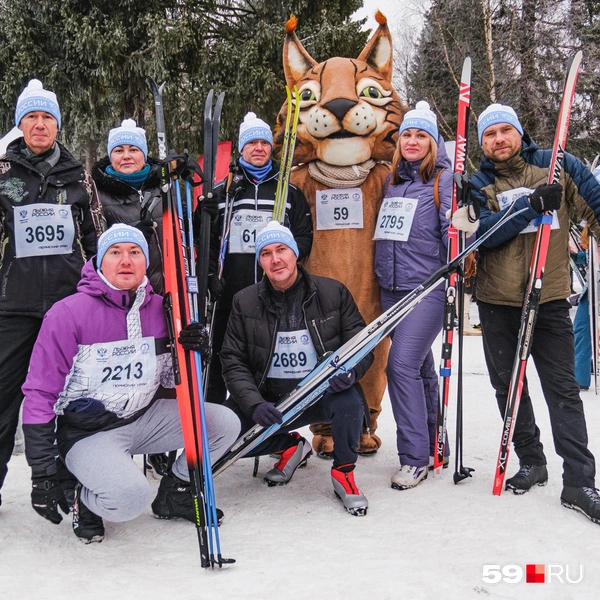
<point>129,187</point>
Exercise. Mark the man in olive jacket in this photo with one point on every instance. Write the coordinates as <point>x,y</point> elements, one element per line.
<point>514,171</point>
<point>278,330</point>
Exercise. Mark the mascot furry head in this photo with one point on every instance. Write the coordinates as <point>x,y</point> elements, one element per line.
<point>349,111</point>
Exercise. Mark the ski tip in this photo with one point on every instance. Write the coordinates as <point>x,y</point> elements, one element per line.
<point>292,23</point>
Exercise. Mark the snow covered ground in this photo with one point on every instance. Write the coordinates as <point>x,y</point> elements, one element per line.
<point>297,542</point>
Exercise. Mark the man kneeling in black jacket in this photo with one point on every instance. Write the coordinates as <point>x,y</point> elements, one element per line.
<point>278,330</point>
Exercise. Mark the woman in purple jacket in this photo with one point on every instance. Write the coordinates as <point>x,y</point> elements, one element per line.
<point>411,244</point>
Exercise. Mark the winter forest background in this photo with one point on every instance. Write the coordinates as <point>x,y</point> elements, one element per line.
<point>96,54</point>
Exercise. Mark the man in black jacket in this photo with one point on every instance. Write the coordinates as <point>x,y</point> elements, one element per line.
<point>251,192</point>
<point>50,218</point>
<point>277,332</point>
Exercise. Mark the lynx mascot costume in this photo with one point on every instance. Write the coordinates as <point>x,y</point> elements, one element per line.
<point>349,119</point>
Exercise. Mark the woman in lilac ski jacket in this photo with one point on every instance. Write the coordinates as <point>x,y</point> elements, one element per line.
<point>411,244</point>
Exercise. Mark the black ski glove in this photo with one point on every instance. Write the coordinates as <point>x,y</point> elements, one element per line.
<point>546,197</point>
<point>185,166</point>
<point>266,414</point>
<point>210,206</point>
<point>216,286</point>
<point>147,228</point>
<point>194,337</point>
<point>46,496</point>
<point>339,383</point>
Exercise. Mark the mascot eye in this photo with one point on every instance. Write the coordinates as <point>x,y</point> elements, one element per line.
<point>371,92</point>
<point>307,96</point>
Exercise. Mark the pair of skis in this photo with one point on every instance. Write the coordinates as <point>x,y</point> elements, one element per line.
<point>454,291</point>
<point>181,306</point>
<point>314,385</point>
<point>287,153</point>
<point>534,284</point>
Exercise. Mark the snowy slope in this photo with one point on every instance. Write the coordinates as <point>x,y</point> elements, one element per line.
<point>297,542</point>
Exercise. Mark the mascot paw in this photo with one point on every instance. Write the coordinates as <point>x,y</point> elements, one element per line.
<point>323,446</point>
<point>369,444</point>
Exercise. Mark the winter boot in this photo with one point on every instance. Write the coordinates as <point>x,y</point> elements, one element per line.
<point>347,491</point>
<point>291,459</point>
<point>526,477</point>
<point>174,500</point>
<point>408,477</point>
<point>584,500</point>
<point>87,526</point>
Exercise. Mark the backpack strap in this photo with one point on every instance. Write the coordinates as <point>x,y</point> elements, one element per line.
<point>436,188</point>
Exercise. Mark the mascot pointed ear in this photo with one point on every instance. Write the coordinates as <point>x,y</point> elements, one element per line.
<point>296,60</point>
<point>378,52</point>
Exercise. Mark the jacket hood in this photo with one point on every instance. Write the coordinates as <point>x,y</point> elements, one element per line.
<point>112,185</point>
<point>92,284</point>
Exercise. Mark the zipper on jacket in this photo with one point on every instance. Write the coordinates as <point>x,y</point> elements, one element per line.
<point>270,357</point>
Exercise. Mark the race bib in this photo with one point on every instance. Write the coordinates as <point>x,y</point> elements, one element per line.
<point>395,219</point>
<point>43,229</point>
<point>506,199</point>
<point>294,356</point>
<point>246,224</point>
<point>340,209</point>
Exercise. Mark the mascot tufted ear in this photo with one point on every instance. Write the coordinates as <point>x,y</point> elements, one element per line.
<point>296,60</point>
<point>378,52</point>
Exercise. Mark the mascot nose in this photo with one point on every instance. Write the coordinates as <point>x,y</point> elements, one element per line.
<point>339,107</point>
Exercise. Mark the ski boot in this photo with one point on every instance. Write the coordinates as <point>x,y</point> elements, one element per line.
<point>347,491</point>
<point>87,526</point>
<point>291,459</point>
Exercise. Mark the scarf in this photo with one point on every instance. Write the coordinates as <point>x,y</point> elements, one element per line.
<point>340,177</point>
<point>135,180</point>
<point>43,162</point>
<point>257,173</point>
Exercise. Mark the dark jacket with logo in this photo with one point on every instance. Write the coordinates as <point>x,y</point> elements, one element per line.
<point>31,285</point>
<point>328,312</point>
<point>122,203</point>
<point>242,270</point>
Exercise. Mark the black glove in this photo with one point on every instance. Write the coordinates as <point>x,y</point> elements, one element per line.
<point>46,495</point>
<point>210,206</point>
<point>339,383</point>
<point>147,228</point>
<point>216,286</point>
<point>194,337</point>
<point>185,166</point>
<point>266,414</point>
<point>546,197</point>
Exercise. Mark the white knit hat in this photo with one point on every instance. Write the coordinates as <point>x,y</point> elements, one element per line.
<point>421,117</point>
<point>252,129</point>
<point>497,113</point>
<point>129,133</point>
<point>35,98</point>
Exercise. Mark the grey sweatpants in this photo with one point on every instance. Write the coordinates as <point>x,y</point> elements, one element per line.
<point>113,486</point>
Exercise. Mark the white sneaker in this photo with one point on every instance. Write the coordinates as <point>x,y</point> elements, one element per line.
<point>408,477</point>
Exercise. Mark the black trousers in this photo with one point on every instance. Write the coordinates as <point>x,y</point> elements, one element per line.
<point>553,353</point>
<point>17,337</point>
<point>344,410</point>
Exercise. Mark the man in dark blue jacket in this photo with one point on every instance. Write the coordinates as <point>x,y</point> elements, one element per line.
<point>514,171</point>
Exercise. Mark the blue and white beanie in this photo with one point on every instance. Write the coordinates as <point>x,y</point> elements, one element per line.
<point>129,133</point>
<point>252,129</point>
<point>35,98</point>
<point>274,233</point>
<point>121,234</point>
<point>421,117</point>
<point>497,113</point>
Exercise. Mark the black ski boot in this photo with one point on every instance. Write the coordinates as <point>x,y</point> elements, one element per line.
<point>87,526</point>
<point>174,500</point>
<point>584,500</point>
<point>526,477</point>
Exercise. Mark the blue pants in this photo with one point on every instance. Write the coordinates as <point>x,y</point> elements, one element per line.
<point>412,378</point>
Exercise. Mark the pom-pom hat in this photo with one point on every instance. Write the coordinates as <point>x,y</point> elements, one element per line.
<point>128,133</point>
<point>421,117</point>
<point>35,98</point>
<point>253,129</point>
